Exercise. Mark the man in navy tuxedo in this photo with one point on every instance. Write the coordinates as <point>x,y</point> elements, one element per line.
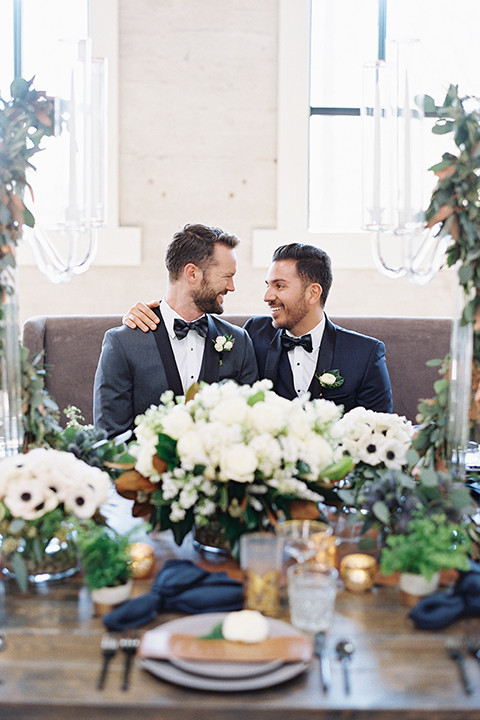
<point>135,368</point>
<point>297,347</point>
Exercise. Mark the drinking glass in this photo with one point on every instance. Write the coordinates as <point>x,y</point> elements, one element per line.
<point>303,539</point>
<point>312,591</point>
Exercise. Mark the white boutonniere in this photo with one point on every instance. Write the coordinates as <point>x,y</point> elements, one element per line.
<point>223,343</point>
<point>330,379</point>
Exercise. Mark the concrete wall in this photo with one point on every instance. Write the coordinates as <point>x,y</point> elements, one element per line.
<point>197,143</point>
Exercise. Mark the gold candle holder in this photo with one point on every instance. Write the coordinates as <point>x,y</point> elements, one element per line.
<point>262,593</point>
<point>357,571</point>
<point>143,559</point>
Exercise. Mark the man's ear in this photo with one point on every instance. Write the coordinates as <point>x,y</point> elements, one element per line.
<point>191,273</point>
<point>314,293</point>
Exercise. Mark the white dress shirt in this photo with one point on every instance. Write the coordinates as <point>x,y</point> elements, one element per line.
<point>303,363</point>
<point>188,352</point>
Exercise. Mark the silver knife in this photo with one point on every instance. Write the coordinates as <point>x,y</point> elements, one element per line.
<point>320,651</point>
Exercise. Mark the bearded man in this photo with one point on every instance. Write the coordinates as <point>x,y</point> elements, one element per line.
<point>135,368</point>
<point>301,350</point>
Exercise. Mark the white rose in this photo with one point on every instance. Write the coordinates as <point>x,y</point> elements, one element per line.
<point>144,456</point>
<point>317,453</point>
<point>266,417</point>
<point>268,451</point>
<point>328,379</point>
<point>177,422</point>
<point>191,450</point>
<point>220,340</point>
<point>218,347</point>
<point>228,345</point>
<point>237,462</point>
<point>248,626</point>
<point>230,410</point>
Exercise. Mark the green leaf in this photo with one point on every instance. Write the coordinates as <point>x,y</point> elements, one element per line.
<point>340,469</point>
<point>429,105</point>
<point>258,397</point>
<point>443,127</point>
<point>28,218</point>
<point>429,477</point>
<point>215,633</point>
<point>465,274</point>
<point>381,511</point>
<point>167,449</point>
<point>20,570</point>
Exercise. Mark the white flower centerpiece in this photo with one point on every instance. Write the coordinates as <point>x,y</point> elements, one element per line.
<point>375,441</point>
<point>378,444</point>
<point>236,454</point>
<point>43,493</point>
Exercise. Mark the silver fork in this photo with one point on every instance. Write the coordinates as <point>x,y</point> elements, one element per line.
<point>109,646</point>
<point>129,646</point>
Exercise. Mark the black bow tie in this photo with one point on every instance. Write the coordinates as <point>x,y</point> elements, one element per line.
<point>181,327</point>
<point>289,342</point>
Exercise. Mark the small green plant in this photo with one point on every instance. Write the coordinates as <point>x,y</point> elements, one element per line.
<point>431,544</point>
<point>104,556</point>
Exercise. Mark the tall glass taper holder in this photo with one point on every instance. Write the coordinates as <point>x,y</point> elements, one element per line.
<point>11,425</point>
<point>460,392</point>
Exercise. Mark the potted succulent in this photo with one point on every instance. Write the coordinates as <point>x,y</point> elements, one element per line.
<point>106,563</point>
<point>430,544</point>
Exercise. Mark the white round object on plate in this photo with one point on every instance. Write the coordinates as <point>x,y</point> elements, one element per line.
<point>248,626</point>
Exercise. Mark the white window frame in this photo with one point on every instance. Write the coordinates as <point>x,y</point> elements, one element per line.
<point>347,250</point>
<point>117,245</point>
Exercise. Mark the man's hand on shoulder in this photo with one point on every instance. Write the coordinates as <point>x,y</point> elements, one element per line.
<point>142,316</point>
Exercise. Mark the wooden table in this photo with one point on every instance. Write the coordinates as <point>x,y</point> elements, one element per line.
<point>52,658</point>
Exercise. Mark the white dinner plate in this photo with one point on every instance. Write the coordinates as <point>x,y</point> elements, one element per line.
<point>225,670</point>
<point>164,670</point>
<point>223,676</point>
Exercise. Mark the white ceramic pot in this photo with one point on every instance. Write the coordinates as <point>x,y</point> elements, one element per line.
<point>107,597</point>
<point>414,587</point>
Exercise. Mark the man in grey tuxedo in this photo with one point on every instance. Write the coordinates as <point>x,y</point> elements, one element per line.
<point>135,368</point>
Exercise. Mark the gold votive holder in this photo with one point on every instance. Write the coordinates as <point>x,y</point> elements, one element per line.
<point>143,559</point>
<point>357,571</point>
<point>261,562</point>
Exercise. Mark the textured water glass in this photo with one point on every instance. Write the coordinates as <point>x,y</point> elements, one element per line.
<point>312,591</point>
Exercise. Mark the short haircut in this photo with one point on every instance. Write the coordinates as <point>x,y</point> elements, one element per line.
<point>313,264</point>
<point>195,244</point>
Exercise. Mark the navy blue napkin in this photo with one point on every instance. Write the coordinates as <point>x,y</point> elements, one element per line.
<point>442,608</point>
<point>180,586</point>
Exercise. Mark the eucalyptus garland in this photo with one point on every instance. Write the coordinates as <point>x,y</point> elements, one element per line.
<point>25,120</point>
<point>455,207</point>
<point>456,198</point>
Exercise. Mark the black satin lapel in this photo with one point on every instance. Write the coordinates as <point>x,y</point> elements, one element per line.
<point>273,358</point>
<point>166,355</point>
<point>325,358</point>
<point>209,372</point>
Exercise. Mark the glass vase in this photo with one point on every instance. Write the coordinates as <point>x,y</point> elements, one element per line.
<point>40,557</point>
<point>11,424</point>
<point>211,539</point>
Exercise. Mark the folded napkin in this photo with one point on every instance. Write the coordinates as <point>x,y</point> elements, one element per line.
<point>180,586</point>
<point>442,608</point>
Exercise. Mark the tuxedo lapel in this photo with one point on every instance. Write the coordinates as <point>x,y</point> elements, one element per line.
<point>272,359</point>
<point>325,358</point>
<point>209,372</point>
<point>166,355</point>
